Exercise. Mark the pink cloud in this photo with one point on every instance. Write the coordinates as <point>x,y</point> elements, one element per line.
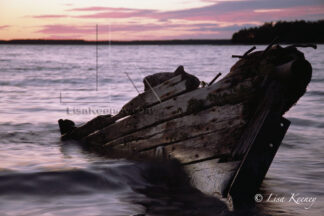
<point>107,12</point>
<point>93,9</point>
<point>91,29</point>
<point>261,14</point>
<point>140,31</point>
<point>225,11</point>
<point>209,13</point>
<point>63,37</point>
<point>110,9</point>
<point>276,14</point>
<point>4,27</point>
<point>66,29</point>
<point>112,15</point>
<point>251,11</point>
<point>292,12</point>
<point>49,16</point>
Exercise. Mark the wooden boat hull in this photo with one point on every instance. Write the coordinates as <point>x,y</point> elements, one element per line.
<point>225,135</point>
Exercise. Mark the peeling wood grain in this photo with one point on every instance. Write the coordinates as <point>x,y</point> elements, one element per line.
<point>164,91</point>
<point>170,88</point>
<point>206,121</point>
<point>218,93</point>
<point>215,144</point>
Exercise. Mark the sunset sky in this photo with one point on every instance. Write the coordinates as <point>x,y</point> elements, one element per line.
<point>145,19</point>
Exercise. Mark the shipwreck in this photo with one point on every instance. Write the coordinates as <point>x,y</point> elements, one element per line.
<point>225,134</point>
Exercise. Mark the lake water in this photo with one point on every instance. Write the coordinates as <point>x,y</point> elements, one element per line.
<point>41,176</point>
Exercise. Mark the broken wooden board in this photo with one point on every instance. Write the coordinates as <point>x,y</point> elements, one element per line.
<point>157,78</point>
<point>170,88</point>
<point>184,127</point>
<point>93,125</point>
<point>217,144</point>
<point>219,94</point>
<point>211,132</point>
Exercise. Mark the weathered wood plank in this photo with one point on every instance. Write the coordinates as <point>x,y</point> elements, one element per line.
<point>206,121</point>
<point>162,92</point>
<point>157,78</point>
<point>215,144</point>
<point>93,125</point>
<point>212,177</point>
<point>220,94</point>
<point>170,88</point>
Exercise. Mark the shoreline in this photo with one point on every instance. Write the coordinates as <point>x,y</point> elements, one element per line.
<point>135,42</point>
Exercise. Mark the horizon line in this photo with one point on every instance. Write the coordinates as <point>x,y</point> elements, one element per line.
<point>82,41</point>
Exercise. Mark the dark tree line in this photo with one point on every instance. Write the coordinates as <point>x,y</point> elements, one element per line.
<point>286,32</point>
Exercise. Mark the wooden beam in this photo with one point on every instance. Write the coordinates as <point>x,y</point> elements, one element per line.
<point>259,144</point>
<point>215,144</point>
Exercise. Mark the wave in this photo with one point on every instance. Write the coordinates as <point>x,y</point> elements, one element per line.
<point>57,183</point>
<point>315,93</point>
<point>161,188</point>
<point>306,122</point>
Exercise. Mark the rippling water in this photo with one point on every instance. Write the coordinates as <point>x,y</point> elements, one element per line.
<point>41,176</point>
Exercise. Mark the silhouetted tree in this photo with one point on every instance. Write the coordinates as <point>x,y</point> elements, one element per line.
<point>287,32</point>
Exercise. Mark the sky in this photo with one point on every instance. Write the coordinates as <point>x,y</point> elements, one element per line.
<point>145,19</point>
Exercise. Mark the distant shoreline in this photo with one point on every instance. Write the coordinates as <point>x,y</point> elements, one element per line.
<point>135,42</point>
<point>283,32</point>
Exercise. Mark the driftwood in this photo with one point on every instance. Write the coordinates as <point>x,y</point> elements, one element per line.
<point>220,133</point>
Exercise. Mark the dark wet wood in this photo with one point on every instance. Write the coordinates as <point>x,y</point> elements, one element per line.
<point>91,126</point>
<point>260,143</point>
<point>257,121</point>
<point>158,78</point>
<point>215,78</point>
